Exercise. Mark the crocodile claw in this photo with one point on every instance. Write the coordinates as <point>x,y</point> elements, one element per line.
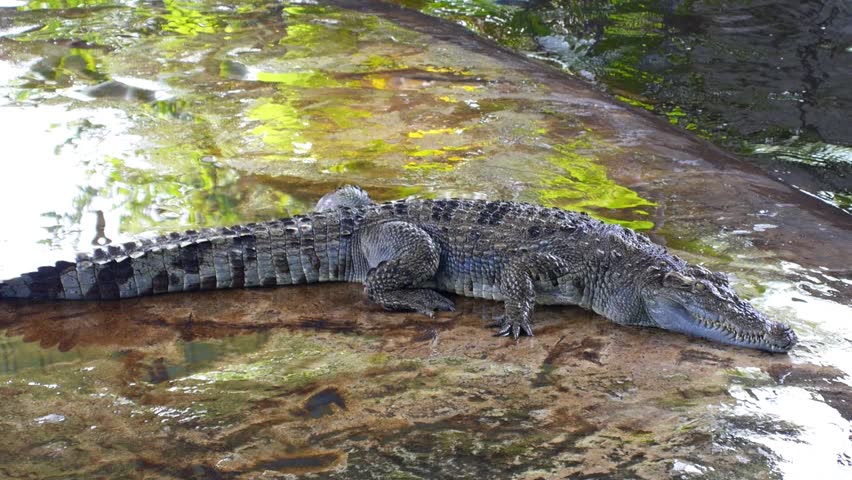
<point>512,328</point>
<point>504,332</point>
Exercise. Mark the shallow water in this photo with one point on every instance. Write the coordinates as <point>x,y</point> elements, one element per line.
<point>174,115</point>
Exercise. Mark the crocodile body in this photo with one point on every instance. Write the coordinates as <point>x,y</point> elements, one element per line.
<point>403,251</point>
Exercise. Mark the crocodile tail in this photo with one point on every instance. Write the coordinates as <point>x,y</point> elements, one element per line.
<point>284,252</point>
<point>45,283</point>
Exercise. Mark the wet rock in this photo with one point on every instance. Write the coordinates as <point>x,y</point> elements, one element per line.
<point>320,403</point>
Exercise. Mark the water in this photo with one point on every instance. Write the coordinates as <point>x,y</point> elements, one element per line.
<point>134,118</point>
<point>767,79</point>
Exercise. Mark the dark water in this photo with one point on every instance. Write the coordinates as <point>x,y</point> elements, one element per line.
<point>767,79</point>
<point>125,118</point>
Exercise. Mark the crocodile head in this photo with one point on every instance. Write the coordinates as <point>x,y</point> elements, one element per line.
<point>697,302</point>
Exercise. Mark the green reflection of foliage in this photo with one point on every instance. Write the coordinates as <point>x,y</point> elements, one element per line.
<point>361,155</point>
<point>75,66</point>
<point>308,39</point>
<point>174,108</point>
<point>308,34</point>
<point>59,28</point>
<point>844,200</point>
<point>309,78</point>
<point>62,4</point>
<point>364,158</point>
<point>632,34</point>
<point>585,186</point>
<point>289,127</point>
<point>610,39</point>
<point>88,58</point>
<point>297,10</point>
<point>281,124</point>
<point>150,200</point>
<point>508,24</point>
<point>185,185</point>
<point>193,193</point>
<point>97,27</point>
<point>373,149</point>
<point>300,118</point>
<point>186,18</point>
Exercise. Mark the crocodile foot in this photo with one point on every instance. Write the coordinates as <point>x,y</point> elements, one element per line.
<point>511,327</point>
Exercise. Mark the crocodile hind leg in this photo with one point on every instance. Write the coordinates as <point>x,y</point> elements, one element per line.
<point>518,286</point>
<point>401,256</point>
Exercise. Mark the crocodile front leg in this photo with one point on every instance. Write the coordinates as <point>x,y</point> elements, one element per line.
<point>518,286</point>
<point>402,256</point>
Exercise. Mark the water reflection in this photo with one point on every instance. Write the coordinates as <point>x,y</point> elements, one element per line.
<point>273,117</point>
<point>819,433</point>
<point>100,225</point>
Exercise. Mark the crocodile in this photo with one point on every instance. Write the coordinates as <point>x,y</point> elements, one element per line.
<point>406,251</point>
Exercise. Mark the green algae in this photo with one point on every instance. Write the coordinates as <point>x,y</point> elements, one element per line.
<point>429,166</point>
<point>585,186</point>
<point>700,247</point>
<point>426,153</point>
<point>36,361</point>
<point>380,63</point>
<point>352,166</point>
<point>297,362</point>
<point>675,115</point>
<point>636,103</point>
<point>340,116</point>
<point>748,376</point>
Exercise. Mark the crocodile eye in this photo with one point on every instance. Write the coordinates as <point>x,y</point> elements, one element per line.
<point>699,286</point>
<point>677,280</point>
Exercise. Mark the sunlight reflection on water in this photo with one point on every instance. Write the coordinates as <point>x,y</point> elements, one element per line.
<point>38,180</point>
<point>821,447</point>
<point>823,325</point>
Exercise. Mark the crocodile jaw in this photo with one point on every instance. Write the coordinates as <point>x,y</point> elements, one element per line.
<point>744,327</point>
